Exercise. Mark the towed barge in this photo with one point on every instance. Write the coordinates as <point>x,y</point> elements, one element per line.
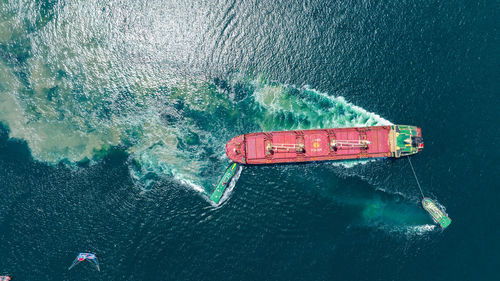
<point>325,144</point>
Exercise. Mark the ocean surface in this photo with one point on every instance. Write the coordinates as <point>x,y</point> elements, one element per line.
<point>114,116</point>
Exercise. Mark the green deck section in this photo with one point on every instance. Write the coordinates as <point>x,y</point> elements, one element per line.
<point>437,214</point>
<point>224,182</point>
<point>403,139</point>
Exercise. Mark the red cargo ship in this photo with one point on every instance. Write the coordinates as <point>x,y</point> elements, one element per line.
<point>325,144</point>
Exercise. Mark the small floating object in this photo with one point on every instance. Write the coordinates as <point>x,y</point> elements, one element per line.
<point>92,258</point>
<point>437,214</point>
<point>4,278</point>
<point>224,182</point>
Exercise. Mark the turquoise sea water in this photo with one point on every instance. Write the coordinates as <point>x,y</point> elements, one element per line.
<point>115,115</point>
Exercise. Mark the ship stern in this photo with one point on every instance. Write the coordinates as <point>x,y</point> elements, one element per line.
<point>405,140</point>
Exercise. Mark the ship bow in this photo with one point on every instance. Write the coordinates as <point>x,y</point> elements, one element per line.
<point>235,149</point>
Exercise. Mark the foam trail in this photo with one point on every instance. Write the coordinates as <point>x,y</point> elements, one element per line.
<point>395,216</point>
<point>379,209</point>
<point>83,89</point>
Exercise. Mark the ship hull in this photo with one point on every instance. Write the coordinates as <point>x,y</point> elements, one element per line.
<point>438,216</point>
<point>325,144</point>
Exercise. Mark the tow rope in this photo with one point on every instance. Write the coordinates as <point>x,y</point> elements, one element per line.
<point>413,170</point>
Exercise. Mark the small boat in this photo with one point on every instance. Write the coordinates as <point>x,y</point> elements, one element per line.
<point>4,278</point>
<point>325,144</point>
<point>437,214</point>
<point>90,257</point>
<point>224,182</point>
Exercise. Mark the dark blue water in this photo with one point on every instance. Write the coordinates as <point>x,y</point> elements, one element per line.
<point>115,114</point>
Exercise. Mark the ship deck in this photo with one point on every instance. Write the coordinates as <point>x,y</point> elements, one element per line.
<point>310,145</point>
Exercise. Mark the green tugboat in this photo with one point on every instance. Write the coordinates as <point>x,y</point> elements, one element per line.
<point>223,182</point>
<point>438,216</point>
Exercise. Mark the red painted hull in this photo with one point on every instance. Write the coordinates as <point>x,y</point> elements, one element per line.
<point>310,145</point>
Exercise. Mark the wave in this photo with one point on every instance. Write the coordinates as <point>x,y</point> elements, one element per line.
<point>78,85</point>
<point>87,79</point>
<point>178,131</point>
